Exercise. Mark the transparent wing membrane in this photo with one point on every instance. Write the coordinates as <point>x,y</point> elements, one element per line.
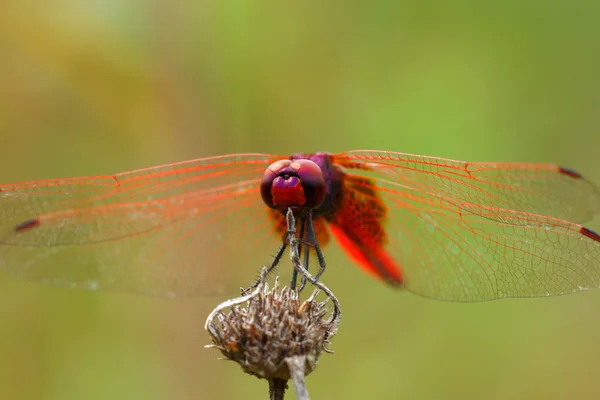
<point>473,232</point>
<point>544,189</point>
<point>458,231</point>
<point>178,230</point>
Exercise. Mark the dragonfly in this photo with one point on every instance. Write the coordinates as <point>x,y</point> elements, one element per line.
<point>440,228</point>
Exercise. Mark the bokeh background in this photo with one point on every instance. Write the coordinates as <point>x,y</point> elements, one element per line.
<point>100,87</point>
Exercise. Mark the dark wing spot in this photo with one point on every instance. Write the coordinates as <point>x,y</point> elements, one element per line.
<point>569,172</point>
<point>589,233</point>
<point>32,223</point>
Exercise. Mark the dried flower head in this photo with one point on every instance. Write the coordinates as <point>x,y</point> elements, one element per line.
<point>270,333</point>
<point>264,330</point>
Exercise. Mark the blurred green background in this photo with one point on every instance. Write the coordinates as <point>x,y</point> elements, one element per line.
<point>102,87</point>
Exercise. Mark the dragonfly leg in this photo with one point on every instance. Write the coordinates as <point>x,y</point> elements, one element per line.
<point>312,239</point>
<point>306,254</point>
<point>320,256</point>
<point>304,238</point>
<point>306,250</point>
<point>271,267</point>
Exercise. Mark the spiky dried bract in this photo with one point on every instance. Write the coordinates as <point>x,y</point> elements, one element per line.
<point>270,327</point>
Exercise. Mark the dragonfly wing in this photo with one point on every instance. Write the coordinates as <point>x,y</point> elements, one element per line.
<point>544,189</point>
<point>358,227</point>
<point>448,253</point>
<point>182,229</point>
<point>478,231</point>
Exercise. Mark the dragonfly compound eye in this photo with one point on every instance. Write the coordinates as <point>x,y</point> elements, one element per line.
<point>298,184</point>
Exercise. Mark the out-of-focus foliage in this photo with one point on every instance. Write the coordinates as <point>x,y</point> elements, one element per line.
<point>100,87</point>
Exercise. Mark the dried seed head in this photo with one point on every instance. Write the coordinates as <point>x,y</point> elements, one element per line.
<point>264,330</point>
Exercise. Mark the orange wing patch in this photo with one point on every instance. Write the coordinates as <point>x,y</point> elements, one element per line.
<point>358,227</point>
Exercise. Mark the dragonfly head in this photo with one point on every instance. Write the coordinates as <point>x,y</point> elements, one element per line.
<point>297,184</point>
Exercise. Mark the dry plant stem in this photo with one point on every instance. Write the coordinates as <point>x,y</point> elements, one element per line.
<point>336,315</point>
<point>296,367</point>
<point>297,364</point>
<point>277,389</point>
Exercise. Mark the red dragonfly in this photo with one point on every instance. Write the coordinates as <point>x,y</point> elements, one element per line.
<point>441,228</point>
